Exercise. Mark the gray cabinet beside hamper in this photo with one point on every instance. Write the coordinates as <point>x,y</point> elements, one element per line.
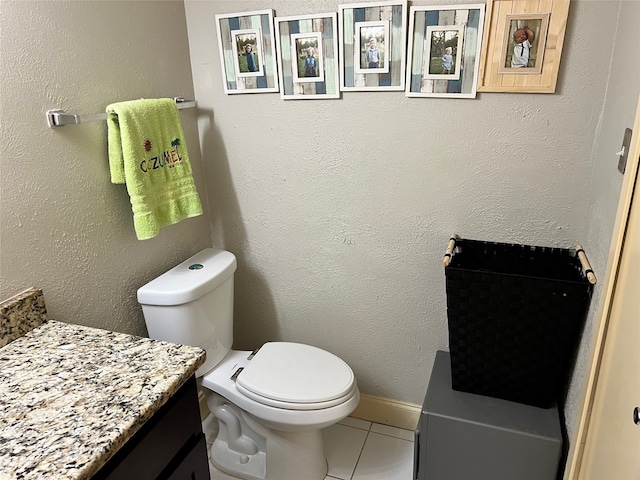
<point>463,436</point>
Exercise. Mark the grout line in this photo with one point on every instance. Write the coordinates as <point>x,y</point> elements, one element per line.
<point>393,436</point>
<point>360,454</point>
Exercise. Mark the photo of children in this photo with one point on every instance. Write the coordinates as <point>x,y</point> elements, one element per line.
<point>306,49</point>
<point>371,47</point>
<point>372,55</point>
<point>524,41</point>
<point>310,64</point>
<point>447,60</point>
<point>523,38</point>
<point>250,57</point>
<point>443,49</point>
<point>247,53</point>
<point>442,53</point>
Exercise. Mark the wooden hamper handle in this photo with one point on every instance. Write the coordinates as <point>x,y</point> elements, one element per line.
<point>586,266</point>
<point>449,252</point>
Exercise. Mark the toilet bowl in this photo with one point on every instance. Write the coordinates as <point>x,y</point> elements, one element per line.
<point>271,404</point>
<point>274,406</point>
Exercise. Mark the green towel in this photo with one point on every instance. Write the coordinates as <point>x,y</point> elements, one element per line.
<point>147,152</point>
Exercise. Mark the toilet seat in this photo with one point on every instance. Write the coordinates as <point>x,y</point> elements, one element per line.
<point>296,376</point>
<point>222,380</point>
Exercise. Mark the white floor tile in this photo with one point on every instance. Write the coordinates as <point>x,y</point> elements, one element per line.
<point>385,458</point>
<point>356,423</point>
<point>356,450</point>
<point>392,431</point>
<point>342,447</point>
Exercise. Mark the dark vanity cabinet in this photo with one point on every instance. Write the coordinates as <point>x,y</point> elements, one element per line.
<point>170,445</point>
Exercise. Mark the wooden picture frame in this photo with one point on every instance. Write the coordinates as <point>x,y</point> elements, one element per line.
<point>451,30</point>
<point>292,35</point>
<point>550,20</point>
<point>387,23</point>
<point>235,31</point>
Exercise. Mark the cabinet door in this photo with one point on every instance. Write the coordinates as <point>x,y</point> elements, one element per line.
<point>195,465</point>
<point>161,443</point>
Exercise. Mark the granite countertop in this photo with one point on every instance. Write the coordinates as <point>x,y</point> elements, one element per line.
<point>71,396</point>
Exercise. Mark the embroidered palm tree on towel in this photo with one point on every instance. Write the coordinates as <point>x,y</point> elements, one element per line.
<point>176,143</point>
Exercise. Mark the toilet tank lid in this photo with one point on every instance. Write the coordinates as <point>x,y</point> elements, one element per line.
<point>189,280</point>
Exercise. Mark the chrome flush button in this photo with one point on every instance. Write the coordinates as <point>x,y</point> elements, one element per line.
<point>196,266</point>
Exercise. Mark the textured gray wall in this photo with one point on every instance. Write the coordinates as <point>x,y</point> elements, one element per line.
<point>64,227</point>
<point>339,210</point>
<point>619,110</point>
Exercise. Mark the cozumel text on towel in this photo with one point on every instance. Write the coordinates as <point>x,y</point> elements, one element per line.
<point>147,152</point>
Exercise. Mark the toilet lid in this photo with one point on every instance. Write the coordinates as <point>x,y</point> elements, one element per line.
<point>284,373</point>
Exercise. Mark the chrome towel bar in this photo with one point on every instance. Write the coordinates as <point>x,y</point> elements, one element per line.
<point>59,118</point>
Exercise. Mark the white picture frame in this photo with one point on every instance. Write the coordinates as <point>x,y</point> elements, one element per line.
<point>243,39</point>
<point>293,85</point>
<point>312,44</point>
<point>234,79</point>
<point>355,16</point>
<point>465,19</point>
<point>365,34</point>
<point>449,36</point>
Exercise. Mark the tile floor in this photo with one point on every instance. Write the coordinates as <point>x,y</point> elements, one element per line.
<point>361,450</point>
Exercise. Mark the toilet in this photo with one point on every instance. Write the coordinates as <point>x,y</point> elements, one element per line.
<point>270,404</point>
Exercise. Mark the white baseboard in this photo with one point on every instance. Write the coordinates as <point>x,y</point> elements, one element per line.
<point>371,408</point>
<point>388,411</point>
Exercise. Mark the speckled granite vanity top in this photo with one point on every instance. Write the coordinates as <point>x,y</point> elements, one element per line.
<point>71,396</point>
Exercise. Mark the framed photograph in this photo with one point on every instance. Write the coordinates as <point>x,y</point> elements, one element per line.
<point>247,55</point>
<point>522,46</point>
<point>525,36</point>
<point>247,49</point>
<point>371,39</point>
<point>372,45</point>
<point>444,51</point>
<point>308,56</point>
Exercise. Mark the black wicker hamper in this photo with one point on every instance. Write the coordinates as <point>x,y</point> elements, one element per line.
<point>515,314</point>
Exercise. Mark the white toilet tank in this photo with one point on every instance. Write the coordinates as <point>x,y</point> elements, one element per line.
<point>192,304</point>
